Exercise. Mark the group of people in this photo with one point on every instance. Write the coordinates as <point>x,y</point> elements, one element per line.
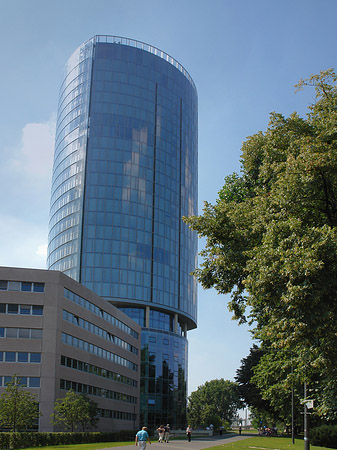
<point>164,433</point>
<point>142,437</point>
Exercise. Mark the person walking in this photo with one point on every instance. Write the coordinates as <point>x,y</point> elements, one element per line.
<point>189,433</point>
<point>142,437</point>
<point>167,433</point>
<point>161,432</point>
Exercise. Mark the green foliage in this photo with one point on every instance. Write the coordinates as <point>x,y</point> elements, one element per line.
<point>75,411</point>
<point>19,409</point>
<point>272,244</point>
<point>215,402</point>
<point>250,392</point>
<point>35,439</point>
<point>324,436</point>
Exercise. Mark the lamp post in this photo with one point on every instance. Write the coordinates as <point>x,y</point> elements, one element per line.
<point>306,421</point>
<point>292,402</point>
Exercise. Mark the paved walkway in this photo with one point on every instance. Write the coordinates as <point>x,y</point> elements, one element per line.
<point>197,443</point>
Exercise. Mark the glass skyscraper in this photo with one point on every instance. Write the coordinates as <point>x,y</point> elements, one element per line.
<point>125,172</point>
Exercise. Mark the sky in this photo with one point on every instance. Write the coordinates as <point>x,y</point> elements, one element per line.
<point>245,58</point>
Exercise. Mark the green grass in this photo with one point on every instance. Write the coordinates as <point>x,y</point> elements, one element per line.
<point>266,443</point>
<point>92,446</point>
<point>253,443</point>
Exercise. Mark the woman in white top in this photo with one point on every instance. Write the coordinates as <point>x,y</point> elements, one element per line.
<point>189,433</point>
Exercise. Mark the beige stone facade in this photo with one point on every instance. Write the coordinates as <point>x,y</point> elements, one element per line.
<point>59,335</point>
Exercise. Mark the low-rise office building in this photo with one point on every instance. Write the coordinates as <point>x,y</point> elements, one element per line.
<point>57,335</point>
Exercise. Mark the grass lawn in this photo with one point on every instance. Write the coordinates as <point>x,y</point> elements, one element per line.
<point>82,446</point>
<point>266,443</point>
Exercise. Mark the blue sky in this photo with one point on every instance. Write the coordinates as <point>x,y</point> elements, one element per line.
<point>245,57</point>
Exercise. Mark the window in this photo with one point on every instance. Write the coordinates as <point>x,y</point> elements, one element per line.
<point>26,287</point>
<point>36,334</point>
<point>35,357</point>
<point>34,382</point>
<point>23,286</point>
<point>22,380</point>
<point>14,285</point>
<point>38,287</point>
<point>22,357</point>
<point>11,332</point>
<point>23,333</point>
<point>37,310</point>
<point>25,309</point>
<point>12,309</point>
<point>10,356</point>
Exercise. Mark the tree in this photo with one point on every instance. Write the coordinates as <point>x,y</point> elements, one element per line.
<point>215,402</point>
<point>272,241</point>
<point>74,411</point>
<point>263,389</point>
<point>19,409</point>
<point>248,390</point>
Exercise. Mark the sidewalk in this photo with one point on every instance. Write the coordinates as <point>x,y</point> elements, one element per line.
<point>198,443</point>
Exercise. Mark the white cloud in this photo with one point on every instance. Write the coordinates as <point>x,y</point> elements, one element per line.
<point>35,156</point>
<point>25,176</point>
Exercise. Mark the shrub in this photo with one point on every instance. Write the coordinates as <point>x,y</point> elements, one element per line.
<point>19,440</point>
<point>324,436</point>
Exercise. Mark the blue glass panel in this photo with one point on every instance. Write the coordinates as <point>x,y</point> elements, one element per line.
<point>10,356</point>
<point>35,357</point>
<point>26,287</point>
<point>22,357</point>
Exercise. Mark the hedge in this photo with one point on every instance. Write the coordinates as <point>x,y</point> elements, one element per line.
<point>35,439</point>
<point>324,436</point>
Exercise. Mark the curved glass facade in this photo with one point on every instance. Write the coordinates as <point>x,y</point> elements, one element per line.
<point>125,172</point>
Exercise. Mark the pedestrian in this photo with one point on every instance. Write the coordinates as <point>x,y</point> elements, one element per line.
<point>141,438</point>
<point>167,433</point>
<point>240,429</point>
<point>161,432</point>
<point>189,433</point>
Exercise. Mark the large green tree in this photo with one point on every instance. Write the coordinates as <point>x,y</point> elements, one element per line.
<point>215,402</point>
<point>272,242</point>
<point>19,409</point>
<point>266,386</point>
<point>75,411</point>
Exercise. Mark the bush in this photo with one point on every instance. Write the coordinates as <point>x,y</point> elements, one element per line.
<point>324,436</point>
<point>19,440</point>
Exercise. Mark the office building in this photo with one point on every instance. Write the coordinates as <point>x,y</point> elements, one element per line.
<point>125,172</point>
<point>57,335</point>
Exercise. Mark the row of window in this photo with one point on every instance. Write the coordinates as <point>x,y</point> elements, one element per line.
<point>31,382</point>
<point>21,333</point>
<point>158,320</point>
<point>121,415</point>
<point>23,286</point>
<point>99,312</point>
<point>95,350</point>
<point>21,357</point>
<point>69,317</point>
<point>32,310</point>
<point>94,390</point>
<point>95,370</point>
